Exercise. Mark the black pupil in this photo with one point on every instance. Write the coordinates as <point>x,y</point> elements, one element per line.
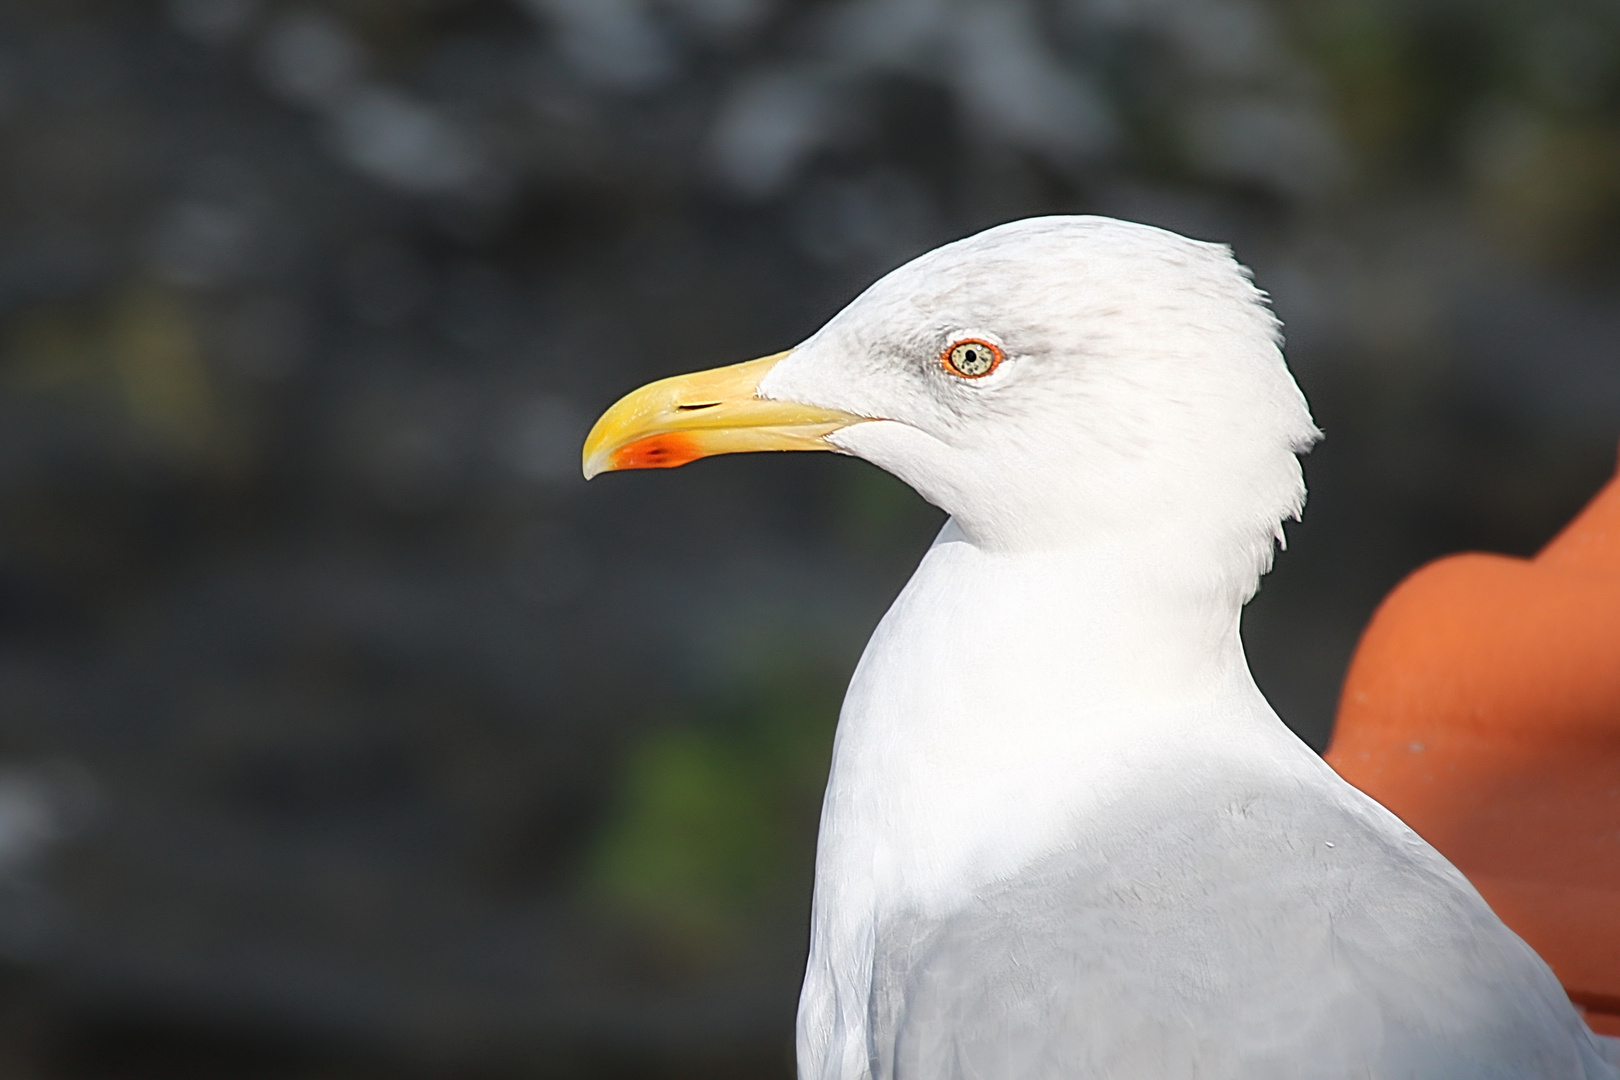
<point>970,360</point>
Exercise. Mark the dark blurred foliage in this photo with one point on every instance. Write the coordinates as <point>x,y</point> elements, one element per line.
<point>345,732</point>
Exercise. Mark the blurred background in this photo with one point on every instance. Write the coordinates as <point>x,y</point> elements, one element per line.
<point>345,732</point>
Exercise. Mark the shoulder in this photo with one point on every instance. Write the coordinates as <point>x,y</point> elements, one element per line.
<point>1260,935</point>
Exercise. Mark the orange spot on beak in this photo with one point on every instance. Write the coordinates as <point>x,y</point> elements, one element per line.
<point>663,451</point>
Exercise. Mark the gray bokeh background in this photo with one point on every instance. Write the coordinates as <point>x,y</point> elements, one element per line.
<point>345,732</point>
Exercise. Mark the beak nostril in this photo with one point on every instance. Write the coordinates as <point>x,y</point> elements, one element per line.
<point>699,405</point>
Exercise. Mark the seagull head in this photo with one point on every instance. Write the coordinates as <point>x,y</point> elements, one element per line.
<point>1051,383</point>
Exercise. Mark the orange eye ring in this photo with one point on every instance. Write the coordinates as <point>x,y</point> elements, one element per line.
<point>971,358</point>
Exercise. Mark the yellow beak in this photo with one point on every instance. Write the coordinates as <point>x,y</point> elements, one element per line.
<point>681,419</point>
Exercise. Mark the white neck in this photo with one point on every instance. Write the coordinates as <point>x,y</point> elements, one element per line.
<point>1002,700</point>
<point>1021,686</point>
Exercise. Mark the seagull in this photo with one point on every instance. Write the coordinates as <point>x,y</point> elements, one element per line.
<point>1064,835</point>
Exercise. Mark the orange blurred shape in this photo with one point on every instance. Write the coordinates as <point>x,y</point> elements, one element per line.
<point>1483,707</point>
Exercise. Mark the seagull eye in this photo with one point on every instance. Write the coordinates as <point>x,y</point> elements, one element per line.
<point>971,358</point>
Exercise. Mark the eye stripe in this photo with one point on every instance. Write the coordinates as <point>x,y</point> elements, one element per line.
<point>971,358</point>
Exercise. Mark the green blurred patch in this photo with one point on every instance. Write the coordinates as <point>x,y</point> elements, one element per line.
<point>711,835</point>
<point>1549,187</point>
<point>1518,104</point>
<point>154,350</point>
<point>1366,54</point>
<point>135,352</point>
<point>876,512</point>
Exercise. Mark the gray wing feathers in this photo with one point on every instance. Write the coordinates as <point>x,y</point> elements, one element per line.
<point>1265,938</point>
